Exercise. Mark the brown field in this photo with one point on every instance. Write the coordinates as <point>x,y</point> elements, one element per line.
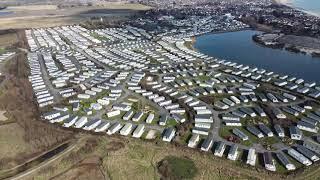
<point>31,8</point>
<point>124,158</point>
<point>11,141</point>
<point>3,116</point>
<point>37,22</point>
<point>34,16</point>
<point>7,39</point>
<point>28,136</point>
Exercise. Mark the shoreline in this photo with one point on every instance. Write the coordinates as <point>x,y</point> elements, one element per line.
<point>291,5</point>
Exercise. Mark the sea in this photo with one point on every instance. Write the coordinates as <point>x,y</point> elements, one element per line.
<point>240,48</point>
<point>312,6</point>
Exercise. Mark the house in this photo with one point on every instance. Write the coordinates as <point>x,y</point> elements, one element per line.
<point>137,133</point>
<point>193,141</point>
<point>295,133</point>
<point>207,144</point>
<point>252,156</point>
<point>168,135</point>
<point>233,152</point>
<point>299,157</point>
<point>114,128</point>
<point>285,161</point>
<point>221,146</point>
<point>268,161</point>
<point>126,129</point>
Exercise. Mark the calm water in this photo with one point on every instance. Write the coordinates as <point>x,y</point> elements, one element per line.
<point>239,47</point>
<point>308,5</point>
<point>4,13</point>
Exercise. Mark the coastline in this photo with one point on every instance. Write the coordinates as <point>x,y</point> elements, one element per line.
<point>290,4</point>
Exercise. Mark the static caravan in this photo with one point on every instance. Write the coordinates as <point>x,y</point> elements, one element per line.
<point>150,118</point>
<point>103,126</point>
<point>207,144</point>
<point>168,134</point>
<point>193,141</point>
<point>70,121</point>
<point>92,124</point>
<point>137,133</point>
<point>268,161</point>
<point>233,152</point>
<point>127,128</point>
<point>252,156</point>
<point>114,128</point>
<point>285,161</point>
<point>221,146</point>
<point>81,122</point>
